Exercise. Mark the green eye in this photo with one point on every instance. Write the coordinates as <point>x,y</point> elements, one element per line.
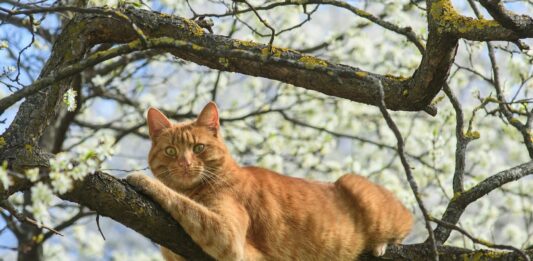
<point>170,151</point>
<point>198,148</point>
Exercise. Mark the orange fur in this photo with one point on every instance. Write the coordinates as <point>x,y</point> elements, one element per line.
<point>250,213</point>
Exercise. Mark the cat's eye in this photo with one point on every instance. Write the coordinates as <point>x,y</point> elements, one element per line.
<point>170,151</point>
<point>198,148</point>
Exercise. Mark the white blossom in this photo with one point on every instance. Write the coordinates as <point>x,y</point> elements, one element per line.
<point>41,193</point>
<point>5,181</point>
<point>32,174</point>
<point>56,252</point>
<point>69,99</point>
<point>61,183</point>
<point>90,248</point>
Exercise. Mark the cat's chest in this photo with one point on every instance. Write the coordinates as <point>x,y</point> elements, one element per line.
<point>208,199</point>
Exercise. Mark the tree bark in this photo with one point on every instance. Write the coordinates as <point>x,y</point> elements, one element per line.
<point>30,245</point>
<point>116,199</point>
<point>111,197</point>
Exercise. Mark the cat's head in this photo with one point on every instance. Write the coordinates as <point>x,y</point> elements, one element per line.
<point>186,154</point>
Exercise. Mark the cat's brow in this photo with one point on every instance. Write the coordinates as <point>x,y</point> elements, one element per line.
<point>184,135</point>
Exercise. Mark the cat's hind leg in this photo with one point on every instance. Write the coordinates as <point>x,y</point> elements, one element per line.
<point>379,249</point>
<point>171,256</point>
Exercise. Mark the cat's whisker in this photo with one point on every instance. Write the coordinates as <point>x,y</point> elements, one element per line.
<point>220,179</point>
<point>208,175</point>
<point>208,181</point>
<point>205,178</point>
<point>165,173</point>
<point>221,196</point>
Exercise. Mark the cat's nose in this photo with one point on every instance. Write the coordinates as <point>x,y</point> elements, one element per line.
<point>183,162</point>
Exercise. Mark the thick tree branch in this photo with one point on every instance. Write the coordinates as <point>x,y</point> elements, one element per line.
<point>521,24</point>
<point>142,30</point>
<point>447,20</point>
<point>116,199</point>
<point>190,42</point>
<point>222,53</point>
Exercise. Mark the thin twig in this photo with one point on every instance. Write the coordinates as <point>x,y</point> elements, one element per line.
<point>405,31</point>
<point>98,225</point>
<point>480,241</point>
<point>524,129</point>
<point>113,12</point>
<point>461,144</point>
<point>407,168</point>
<point>273,31</point>
<point>23,218</point>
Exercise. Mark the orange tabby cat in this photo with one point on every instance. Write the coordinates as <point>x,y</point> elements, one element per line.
<point>250,213</point>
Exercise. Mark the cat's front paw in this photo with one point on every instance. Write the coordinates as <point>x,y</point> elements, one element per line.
<point>139,181</point>
<point>379,250</point>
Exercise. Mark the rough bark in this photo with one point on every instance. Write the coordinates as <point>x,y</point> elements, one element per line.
<point>95,26</point>
<point>116,199</point>
<point>186,40</point>
<point>462,200</point>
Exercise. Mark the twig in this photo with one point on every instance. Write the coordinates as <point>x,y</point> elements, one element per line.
<point>115,13</point>
<point>23,218</point>
<point>126,170</point>
<point>405,31</point>
<point>271,41</point>
<point>8,248</point>
<point>524,129</point>
<point>461,201</point>
<point>480,241</point>
<point>407,168</point>
<point>69,222</point>
<point>462,141</point>
<point>32,29</point>
<point>307,19</point>
<point>98,225</point>
<point>353,137</point>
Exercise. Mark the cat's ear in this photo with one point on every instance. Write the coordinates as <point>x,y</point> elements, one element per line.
<point>157,121</point>
<point>209,117</point>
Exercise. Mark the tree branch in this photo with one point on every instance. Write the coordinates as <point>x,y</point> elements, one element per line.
<point>447,20</point>
<point>521,24</point>
<point>25,23</point>
<point>462,200</point>
<point>116,199</point>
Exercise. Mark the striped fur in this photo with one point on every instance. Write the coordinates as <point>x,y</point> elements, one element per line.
<point>250,213</point>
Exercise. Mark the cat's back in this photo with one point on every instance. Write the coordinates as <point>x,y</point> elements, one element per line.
<point>265,185</point>
<point>387,224</point>
<point>298,219</point>
<point>265,177</point>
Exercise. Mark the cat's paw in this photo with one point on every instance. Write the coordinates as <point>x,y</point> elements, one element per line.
<point>139,181</point>
<point>379,250</point>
